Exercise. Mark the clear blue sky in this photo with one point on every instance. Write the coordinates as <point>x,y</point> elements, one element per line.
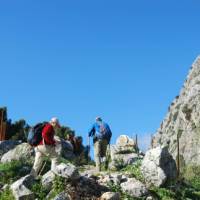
<point>122,60</point>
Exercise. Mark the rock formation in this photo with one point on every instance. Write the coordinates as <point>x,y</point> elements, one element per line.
<point>183,120</point>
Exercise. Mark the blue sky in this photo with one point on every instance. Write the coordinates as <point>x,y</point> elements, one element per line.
<point>122,60</point>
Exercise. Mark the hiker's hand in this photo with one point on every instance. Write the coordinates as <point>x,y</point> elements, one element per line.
<point>58,142</point>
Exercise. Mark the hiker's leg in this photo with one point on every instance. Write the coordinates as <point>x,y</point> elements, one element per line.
<point>104,144</point>
<point>53,155</point>
<point>97,156</point>
<point>37,164</point>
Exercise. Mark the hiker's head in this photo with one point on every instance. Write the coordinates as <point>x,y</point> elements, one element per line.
<point>98,119</point>
<point>55,122</point>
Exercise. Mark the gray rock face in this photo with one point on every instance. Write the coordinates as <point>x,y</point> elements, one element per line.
<point>134,188</point>
<point>22,151</point>
<point>20,188</point>
<point>183,119</point>
<point>7,145</point>
<point>67,171</point>
<point>158,166</point>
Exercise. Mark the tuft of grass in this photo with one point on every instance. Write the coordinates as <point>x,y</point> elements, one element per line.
<point>6,194</point>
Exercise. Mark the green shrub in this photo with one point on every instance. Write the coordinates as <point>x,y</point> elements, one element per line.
<point>134,170</point>
<point>12,171</point>
<point>59,185</point>
<point>39,191</point>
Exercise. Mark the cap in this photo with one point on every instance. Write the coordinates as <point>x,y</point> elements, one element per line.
<point>55,120</point>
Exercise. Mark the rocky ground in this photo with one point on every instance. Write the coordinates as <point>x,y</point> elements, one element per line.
<point>130,175</point>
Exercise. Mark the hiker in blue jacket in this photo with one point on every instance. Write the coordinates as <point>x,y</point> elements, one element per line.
<point>101,133</point>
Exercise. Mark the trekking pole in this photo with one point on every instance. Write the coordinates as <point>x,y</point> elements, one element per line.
<point>88,156</point>
<point>42,168</point>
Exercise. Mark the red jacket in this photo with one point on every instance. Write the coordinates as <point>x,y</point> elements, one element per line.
<point>48,135</point>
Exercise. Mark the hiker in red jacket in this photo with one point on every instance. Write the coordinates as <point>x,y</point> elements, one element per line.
<point>46,147</point>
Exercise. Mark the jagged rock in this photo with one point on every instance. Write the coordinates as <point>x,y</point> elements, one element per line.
<point>183,119</point>
<point>20,152</point>
<point>110,196</point>
<point>64,148</point>
<point>20,188</point>
<point>67,171</point>
<point>158,166</point>
<point>134,188</point>
<point>7,145</point>
<point>47,180</point>
<point>62,196</point>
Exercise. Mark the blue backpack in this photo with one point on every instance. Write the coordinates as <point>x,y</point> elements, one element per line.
<point>105,131</point>
<point>35,135</point>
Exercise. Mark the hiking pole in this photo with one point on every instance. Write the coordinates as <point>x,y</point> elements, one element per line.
<point>42,168</point>
<point>88,156</point>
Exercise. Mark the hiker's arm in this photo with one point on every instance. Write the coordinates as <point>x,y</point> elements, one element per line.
<point>91,131</point>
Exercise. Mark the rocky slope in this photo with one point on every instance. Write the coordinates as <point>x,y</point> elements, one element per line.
<point>183,119</point>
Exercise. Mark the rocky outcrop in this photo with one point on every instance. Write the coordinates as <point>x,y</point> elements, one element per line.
<point>7,145</point>
<point>183,120</point>
<point>20,152</point>
<point>158,166</point>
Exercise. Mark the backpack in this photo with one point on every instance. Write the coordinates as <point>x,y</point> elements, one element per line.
<point>105,131</point>
<point>35,135</point>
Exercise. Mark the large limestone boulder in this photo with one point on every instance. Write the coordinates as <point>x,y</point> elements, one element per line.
<point>20,152</point>
<point>158,166</point>
<point>7,145</point>
<point>183,120</point>
<point>20,188</point>
<point>134,188</point>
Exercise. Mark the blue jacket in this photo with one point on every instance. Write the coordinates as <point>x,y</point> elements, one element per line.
<point>96,132</point>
